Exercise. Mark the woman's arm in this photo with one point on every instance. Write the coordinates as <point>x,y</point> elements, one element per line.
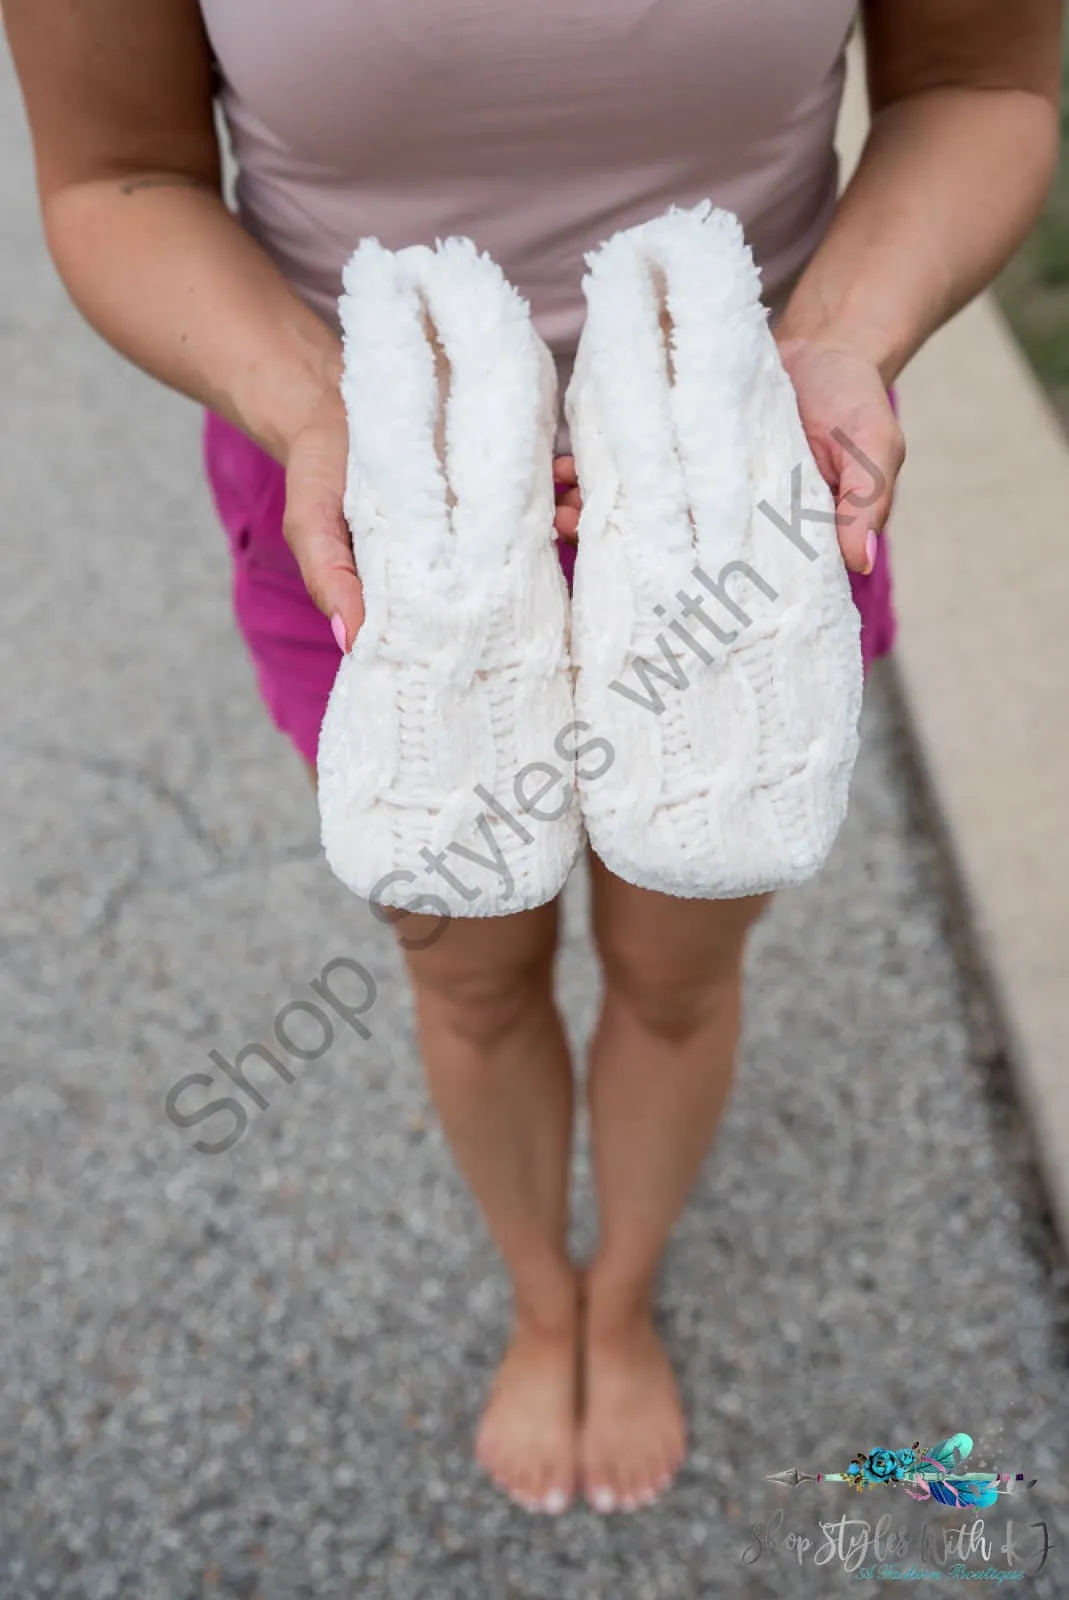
<point>119,99</point>
<point>959,159</point>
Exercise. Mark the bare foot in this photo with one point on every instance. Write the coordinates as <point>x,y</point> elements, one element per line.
<point>527,1437</point>
<point>633,1435</point>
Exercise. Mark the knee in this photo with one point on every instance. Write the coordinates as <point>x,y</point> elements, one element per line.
<point>674,1006</point>
<point>482,1008</point>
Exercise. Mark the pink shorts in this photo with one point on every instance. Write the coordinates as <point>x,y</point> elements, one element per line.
<point>288,638</point>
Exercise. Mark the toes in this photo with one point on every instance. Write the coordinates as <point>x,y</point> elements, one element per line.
<point>533,1483</point>
<point>613,1480</point>
<point>602,1498</point>
<point>507,1477</point>
<point>525,1488</point>
<point>598,1489</point>
<point>555,1488</point>
<point>616,1485</point>
<point>631,1488</point>
<point>535,1488</point>
<point>646,1491</point>
<point>554,1496</point>
<point>625,1489</point>
<point>521,1497</point>
<point>628,1490</point>
<point>634,1490</point>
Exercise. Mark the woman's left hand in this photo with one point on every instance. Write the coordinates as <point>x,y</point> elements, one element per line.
<point>854,436</point>
<point>852,431</point>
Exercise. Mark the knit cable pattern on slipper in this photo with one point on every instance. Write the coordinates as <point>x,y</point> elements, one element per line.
<point>716,642</point>
<point>446,774</point>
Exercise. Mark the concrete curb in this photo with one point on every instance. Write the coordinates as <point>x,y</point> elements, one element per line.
<point>982,576</point>
<point>981,569</point>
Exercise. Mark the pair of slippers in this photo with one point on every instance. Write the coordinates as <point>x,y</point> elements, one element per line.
<point>693,710</point>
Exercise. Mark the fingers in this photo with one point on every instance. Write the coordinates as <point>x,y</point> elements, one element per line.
<point>566,520</point>
<point>315,529</point>
<point>319,539</point>
<point>569,500</point>
<point>854,435</point>
<point>866,463</point>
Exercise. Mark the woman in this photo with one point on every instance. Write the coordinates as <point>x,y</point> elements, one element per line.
<point>538,131</point>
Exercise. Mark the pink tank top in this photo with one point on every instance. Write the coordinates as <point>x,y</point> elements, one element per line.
<point>536,127</point>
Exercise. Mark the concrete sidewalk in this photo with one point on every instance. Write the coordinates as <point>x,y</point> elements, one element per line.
<point>256,1374</point>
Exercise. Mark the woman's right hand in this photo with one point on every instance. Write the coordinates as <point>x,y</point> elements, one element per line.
<point>314,524</point>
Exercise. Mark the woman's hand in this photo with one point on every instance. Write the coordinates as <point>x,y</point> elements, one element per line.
<point>314,524</point>
<point>852,431</point>
<point>854,436</point>
<point>569,500</point>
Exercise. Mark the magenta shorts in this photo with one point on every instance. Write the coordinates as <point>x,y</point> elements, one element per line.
<point>288,638</point>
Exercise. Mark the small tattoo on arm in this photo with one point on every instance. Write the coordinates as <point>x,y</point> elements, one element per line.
<point>167,180</point>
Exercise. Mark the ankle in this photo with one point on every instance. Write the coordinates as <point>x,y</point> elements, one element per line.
<point>549,1310</point>
<point>615,1306</point>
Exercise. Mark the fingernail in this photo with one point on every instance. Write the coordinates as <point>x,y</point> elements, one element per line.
<point>555,1501</point>
<point>337,628</point>
<point>603,1500</point>
<point>870,552</point>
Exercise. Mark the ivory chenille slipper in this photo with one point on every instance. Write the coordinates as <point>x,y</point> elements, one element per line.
<point>446,780</point>
<point>713,631</point>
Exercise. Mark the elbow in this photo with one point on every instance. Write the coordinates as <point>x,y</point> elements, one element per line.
<point>72,224</point>
<point>1048,140</point>
<point>1030,127</point>
<point>1035,140</point>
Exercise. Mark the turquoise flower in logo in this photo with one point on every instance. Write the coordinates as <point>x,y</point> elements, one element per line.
<point>882,1465</point>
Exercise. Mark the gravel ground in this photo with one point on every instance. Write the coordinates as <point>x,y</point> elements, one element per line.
<point>255,1373</point>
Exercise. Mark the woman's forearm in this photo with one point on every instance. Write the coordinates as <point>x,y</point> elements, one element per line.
<point>168,277</point>
<point>949,183</point>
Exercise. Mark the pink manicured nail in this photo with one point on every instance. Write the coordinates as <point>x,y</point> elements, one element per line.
<point>337,628</point>
<point>870,551</point>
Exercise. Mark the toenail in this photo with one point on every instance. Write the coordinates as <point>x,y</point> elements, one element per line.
<point>603,1500</point>
<point>555,1502</point>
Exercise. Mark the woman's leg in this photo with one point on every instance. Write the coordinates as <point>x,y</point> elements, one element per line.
<point>661,1064</point>
<point>500,1076</point>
